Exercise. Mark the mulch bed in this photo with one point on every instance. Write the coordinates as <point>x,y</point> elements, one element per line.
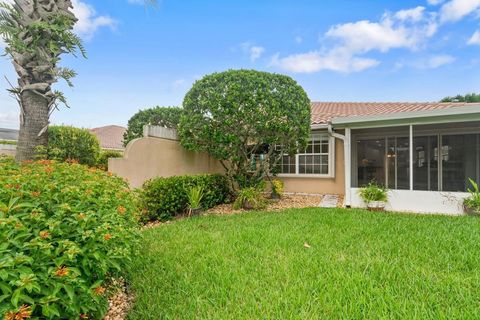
<point>120,302</point>
<point>296,201</point>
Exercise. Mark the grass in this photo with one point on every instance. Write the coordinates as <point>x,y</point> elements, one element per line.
<point>360,265</point>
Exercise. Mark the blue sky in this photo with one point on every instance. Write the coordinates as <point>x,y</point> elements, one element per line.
<point>338,50</point>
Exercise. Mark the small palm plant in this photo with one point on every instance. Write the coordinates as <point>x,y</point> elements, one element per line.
<point>472,203</point>
<point>375,196</point>
<point>195,195</point>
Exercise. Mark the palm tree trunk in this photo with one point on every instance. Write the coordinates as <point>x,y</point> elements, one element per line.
<point>33,125</point>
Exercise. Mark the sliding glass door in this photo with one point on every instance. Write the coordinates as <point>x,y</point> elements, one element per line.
<point>443,160</point>
<point>425,168</point>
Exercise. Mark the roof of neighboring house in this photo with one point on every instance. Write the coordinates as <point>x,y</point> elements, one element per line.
<point>324,112</point>
<point>8,134</point>
<point>110,137</point>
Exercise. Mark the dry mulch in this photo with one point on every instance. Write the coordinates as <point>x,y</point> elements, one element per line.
<point>120,302</point>
<point>295,201</point>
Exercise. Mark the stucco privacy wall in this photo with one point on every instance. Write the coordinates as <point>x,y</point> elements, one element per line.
<point>152,157</point>
<point>315,185</point>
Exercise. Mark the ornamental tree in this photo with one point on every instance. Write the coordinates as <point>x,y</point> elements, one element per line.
<point>247,120</point>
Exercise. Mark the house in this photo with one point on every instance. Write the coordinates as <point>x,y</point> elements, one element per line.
<point>110,137</point>
<point>424,153</point>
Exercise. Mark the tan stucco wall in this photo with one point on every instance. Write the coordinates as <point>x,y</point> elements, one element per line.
<point>313,185</point>
<point>148,158</point>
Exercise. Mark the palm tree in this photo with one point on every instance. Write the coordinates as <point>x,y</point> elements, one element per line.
<point>37,33</point>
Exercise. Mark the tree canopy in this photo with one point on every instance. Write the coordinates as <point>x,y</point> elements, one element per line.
<point>469,97</point>
<point>246,119</point>
<point>168,117</point>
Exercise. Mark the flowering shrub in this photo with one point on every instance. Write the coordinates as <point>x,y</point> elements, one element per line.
<point>65,230</point>
<point>165,197</point>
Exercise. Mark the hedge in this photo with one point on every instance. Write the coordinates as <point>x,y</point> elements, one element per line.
<point>164,198</point>
<point>70,143</point>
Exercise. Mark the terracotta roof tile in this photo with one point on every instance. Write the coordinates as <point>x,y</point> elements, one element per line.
<point>110,137</point>
<point>324,112</point>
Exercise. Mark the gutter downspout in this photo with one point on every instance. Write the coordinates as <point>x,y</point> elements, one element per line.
<point>347,151</point>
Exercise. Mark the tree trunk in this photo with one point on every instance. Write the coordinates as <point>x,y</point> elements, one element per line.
<point>35,120</point>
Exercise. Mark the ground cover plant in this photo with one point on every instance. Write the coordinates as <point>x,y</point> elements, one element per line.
<point>65,230</point>
<point>309,264</point>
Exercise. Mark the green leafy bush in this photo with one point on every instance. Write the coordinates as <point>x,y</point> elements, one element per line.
<point>70,143</point>
<point>472,203</point>
<point>250,198</point>
<point>102,161</point>
<point>65,230</point>
<point>373,192</point>
<point>168,117</point>
<point>164,198</point>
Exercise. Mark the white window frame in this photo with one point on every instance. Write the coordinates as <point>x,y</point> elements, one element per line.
<point>331,161</point>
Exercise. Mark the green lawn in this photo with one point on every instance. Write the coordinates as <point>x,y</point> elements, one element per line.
<point>359,265</point>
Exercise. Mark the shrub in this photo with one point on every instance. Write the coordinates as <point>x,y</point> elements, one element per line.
<point>373,192</point>
<point>250,198</point>
<point>168,117</point>
<point>65,229</point>
<point>164,198</point>
<point>102,161</point>
<point>70,143</point>
<point>194,196</point>
<point>277,188</point>
<point>472,203</point>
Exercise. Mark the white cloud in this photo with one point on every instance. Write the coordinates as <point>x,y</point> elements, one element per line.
<point>439,60</point>
<point>315,61</point>
<point>88,20</point>
<point>254,52</point>
<point>431,62</point>
<point>415,14</point>
<point>434,2</point>
<point>455,10</point>
<point>475,38</point>
<point>407,29</point>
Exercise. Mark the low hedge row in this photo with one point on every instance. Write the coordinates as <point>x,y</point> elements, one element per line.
<point>65,230</point>
<point>164,198</point>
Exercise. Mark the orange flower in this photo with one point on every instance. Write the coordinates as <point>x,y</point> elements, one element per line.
<point>27,161</point>
<point>35,194</point>
<point>62,271</point>
<point>109,174</point>
<point>83,316</point>
<point>81,216</point>
<point>121,209</point>
<point>24,312</point>
<point>18,225</point>
<point>107,237</point>
<point>49,170</point>
<point>99,291</point>
<point>72,161</point>
<point>44,234</point>
<point>8,186</point>
<point>88,192</point>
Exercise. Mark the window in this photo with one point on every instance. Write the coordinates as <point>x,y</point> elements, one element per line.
<point>314,160</point>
